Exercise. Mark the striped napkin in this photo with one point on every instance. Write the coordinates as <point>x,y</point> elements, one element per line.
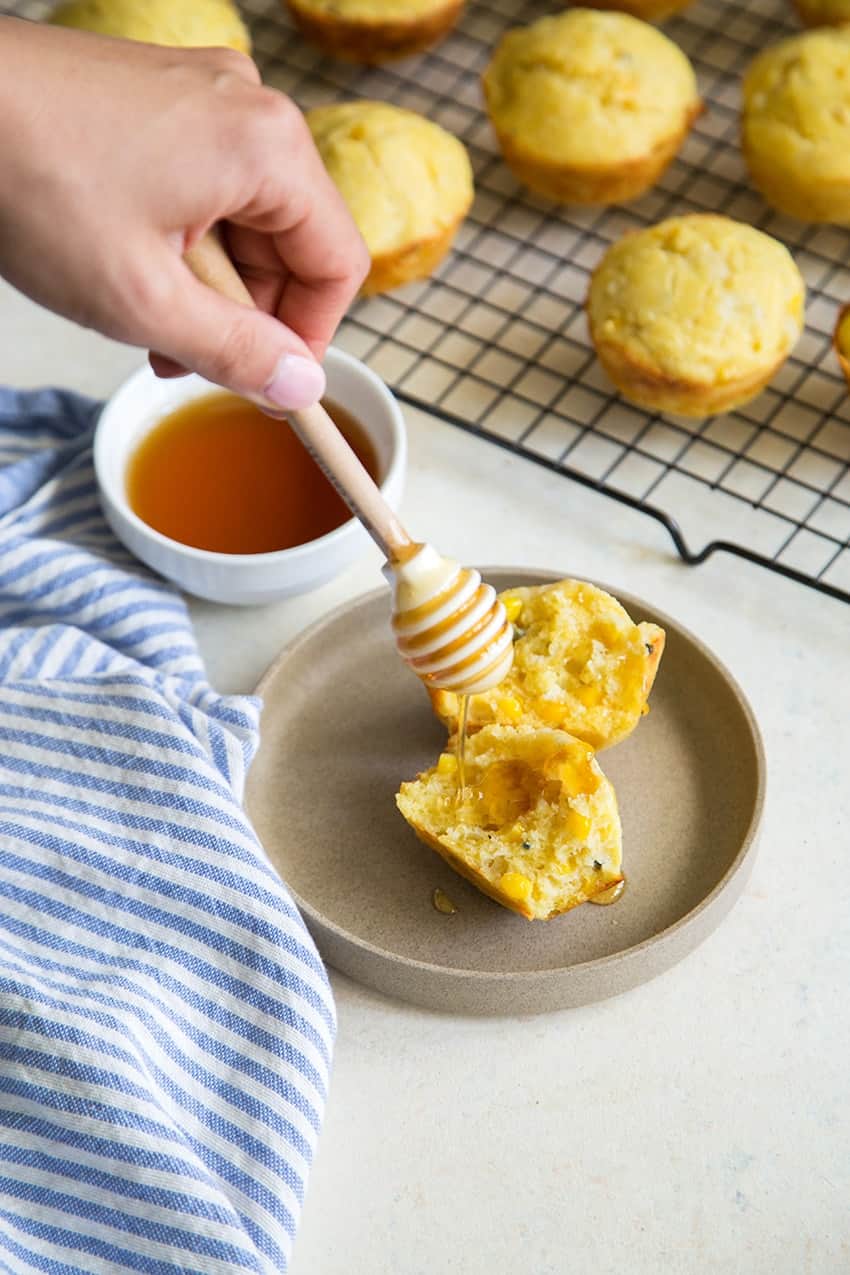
<point>165,1021</point>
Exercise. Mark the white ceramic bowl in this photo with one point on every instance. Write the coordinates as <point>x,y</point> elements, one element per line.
<point>242,579</point>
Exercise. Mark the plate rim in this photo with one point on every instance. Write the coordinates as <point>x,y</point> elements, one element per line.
<point>584,968</point>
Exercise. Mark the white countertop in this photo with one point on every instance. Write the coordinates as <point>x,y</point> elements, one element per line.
<point>698,1124</point>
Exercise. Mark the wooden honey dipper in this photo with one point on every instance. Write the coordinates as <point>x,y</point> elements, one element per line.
<point>449,626</point>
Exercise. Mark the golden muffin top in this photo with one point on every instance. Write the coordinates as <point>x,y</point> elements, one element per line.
<point>202,24</point>
<point>797,104</point>
<point>699,298</point>
<point>588,88</point>
<point>373,11</point>
<point>403,178</point>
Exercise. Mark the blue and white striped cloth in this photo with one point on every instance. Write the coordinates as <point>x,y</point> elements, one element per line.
<point>165,1022</point>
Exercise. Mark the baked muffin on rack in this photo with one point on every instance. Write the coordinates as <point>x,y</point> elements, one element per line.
<point>372,31</point>
<point>796,125</point>
<point>649,10</point>
<point>589,107</point>
<point>841,341</point>
<point>696,314</point>
<point>406,181</point>
<point>821,13</point>
<point>580,664</point>
<point>536,826</point>
<point>202,23</point>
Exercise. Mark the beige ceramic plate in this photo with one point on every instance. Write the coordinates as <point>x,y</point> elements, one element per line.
<point>344,722</point>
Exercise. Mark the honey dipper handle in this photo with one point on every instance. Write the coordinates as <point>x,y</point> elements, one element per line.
<point>210,263</point>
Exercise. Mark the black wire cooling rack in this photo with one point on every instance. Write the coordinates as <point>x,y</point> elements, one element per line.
<point>496,342</point>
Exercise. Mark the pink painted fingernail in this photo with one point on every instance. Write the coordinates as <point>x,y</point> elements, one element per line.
<point>297,382</point>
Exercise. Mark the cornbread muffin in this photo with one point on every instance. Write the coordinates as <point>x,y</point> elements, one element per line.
<point>649,10</point>
<point>696,314</point>
<point>201,24</point>
<point>536,827</point>
<point>820,13</point>
<point>374,31</point>
<point>406,181</point>
<point>588,107</point>
<point>796,125</point>
<point>841,341</point>
<point>580,664</point>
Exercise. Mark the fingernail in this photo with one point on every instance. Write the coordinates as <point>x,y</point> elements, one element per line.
<point>297,382</point>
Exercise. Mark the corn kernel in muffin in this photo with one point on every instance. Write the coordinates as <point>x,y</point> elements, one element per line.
<point>696,314</point>
<point>406,181</point>
<point>372,31</point>
<point>580,665</point>
<point>819,13</point>
<point>796,125</point>
<point>201,24</point>
<point>536,828</point>
<point>589,107</point>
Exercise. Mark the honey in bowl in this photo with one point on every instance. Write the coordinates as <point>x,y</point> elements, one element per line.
<point>219,474</point>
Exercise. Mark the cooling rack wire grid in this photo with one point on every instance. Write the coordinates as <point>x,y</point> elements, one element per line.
<point>496,342</point>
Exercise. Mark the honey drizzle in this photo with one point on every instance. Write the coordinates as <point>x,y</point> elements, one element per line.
<point>442,903</point>
<point>460,744</point>
<point>606,897</point>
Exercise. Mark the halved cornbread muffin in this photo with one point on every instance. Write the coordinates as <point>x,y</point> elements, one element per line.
<point>580,664</point>
<point>536,825</point>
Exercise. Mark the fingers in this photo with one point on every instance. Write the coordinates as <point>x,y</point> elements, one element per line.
<point>229,61</point>
<point>294,223</point>
<point>294,242</point>
<point>243,349</point>
<point>165,368</point>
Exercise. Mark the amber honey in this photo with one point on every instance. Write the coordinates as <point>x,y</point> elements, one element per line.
<point>611,895</point>
<point>219,474</point>
<point>460,745</point>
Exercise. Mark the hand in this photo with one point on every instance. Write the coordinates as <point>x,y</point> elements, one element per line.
<point>117,157</point>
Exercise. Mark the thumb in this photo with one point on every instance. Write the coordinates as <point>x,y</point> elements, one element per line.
<point>244,349</point>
